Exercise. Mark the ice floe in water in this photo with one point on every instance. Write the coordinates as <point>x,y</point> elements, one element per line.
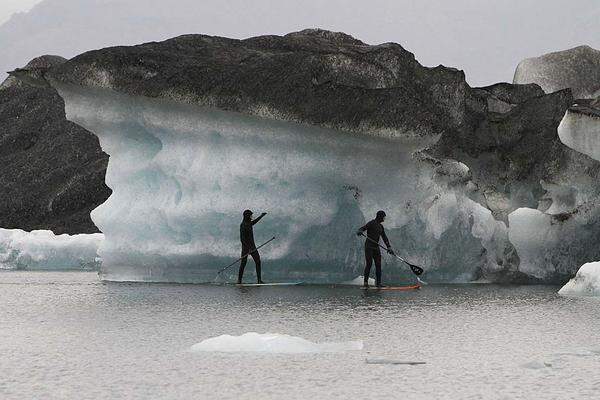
<point>272,343</point>
<point>358,281</point>
<point>44,250</point>
<point>585,283</point>
<point>537,365</point>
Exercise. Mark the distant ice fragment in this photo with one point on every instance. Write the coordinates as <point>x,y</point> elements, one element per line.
<point>384,361</point>
<point>581,132</point>
<point>271,343</point>
<point>585,283</point>
<point>43,250</point>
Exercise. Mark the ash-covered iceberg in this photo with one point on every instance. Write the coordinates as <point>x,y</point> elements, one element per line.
<point>321,130</point>
<point>577,69</point>
<point>585,283</point>
<point>563,233</point>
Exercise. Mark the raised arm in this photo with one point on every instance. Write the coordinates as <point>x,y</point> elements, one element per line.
<point>259,218</point>
<point>361,230</point>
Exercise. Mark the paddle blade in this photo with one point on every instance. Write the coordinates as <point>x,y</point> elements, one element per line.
<point>415,269</point>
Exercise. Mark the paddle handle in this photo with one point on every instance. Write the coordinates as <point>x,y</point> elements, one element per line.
<point>245,255</point>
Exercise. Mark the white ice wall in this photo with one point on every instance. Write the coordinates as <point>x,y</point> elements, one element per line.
<point>182,175</point>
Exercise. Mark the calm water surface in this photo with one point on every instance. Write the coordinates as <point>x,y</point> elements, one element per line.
<point>68,336</point>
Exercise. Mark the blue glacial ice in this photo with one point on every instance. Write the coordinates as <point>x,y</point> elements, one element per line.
<point>181,176</point>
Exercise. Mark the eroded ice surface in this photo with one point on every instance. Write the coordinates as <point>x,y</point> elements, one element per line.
<point>181,176</point>
<point>272,343</point>
<point>548,245</point>
<point>44,250</point>
<point>585,283</point>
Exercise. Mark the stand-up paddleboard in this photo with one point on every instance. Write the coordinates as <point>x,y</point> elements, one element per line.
<point>270,284</point>
<point>399,288</point>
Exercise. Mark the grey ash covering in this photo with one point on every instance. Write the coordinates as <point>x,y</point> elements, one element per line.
<point>589,107</point>
<point>577,69</point>
<point>51,170</point>
<point>313,76</point>
<point>505,133</point>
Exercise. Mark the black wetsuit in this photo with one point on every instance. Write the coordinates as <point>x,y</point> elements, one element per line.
<point>248,245</point>
<point>372,253</point>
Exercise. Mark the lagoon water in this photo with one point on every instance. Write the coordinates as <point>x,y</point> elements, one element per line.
<point>66,335</point>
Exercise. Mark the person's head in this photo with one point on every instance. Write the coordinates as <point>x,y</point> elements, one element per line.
<point>247,215</point>
<point>380,217</point>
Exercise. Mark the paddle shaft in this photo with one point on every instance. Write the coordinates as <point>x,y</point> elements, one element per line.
<point>245,255</point>
<point>378,244</point>
<point>395,255</point>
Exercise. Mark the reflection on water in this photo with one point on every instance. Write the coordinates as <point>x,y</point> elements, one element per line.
<point>65,334</point>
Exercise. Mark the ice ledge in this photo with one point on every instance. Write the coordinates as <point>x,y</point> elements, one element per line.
<point>43,250</point>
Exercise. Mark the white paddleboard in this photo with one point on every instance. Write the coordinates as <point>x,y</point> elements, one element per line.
<point>271,284</point>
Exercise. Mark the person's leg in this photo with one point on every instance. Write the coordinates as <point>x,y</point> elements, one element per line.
<point>377,258</point>
<point>368,263</point>
<point>242,265</point>
<point>256,258</point>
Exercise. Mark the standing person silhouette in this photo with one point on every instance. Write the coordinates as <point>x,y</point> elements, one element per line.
<point>374,230</point>
<point>248,245</point>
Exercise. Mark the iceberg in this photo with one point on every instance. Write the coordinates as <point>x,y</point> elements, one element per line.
<point>199,128</point>
<point>577,69</point>
<point>585,283</point>
<point>275,343</point>
<point>43,250</point>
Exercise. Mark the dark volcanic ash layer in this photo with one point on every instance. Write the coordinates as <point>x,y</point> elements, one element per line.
<point>51,170</point>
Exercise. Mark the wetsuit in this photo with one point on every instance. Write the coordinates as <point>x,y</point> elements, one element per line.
<point>248,245</point>
<point>372,253</point>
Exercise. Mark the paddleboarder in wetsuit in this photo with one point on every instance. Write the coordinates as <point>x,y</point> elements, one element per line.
<point>248,245</point>
<point>374,230</point>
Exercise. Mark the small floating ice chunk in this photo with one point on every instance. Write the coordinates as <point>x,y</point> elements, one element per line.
<point>272,343</point>
<point>537,365</point>
<point>359,281</point>
<point>585,283</point>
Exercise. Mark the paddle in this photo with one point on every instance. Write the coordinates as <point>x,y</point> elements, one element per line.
<point>414,268</point>
<point>245,255</point>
